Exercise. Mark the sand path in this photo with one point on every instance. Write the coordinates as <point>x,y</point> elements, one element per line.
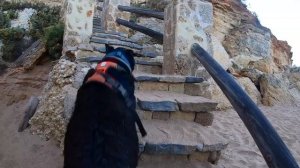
<point>23,150</point>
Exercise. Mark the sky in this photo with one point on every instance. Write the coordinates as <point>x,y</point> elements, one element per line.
<point>283,18</point>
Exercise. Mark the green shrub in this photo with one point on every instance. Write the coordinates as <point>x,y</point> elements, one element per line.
<point>12,43</point>
<point>4,20</point>
<point>53,39</point>
<point>42,19</point>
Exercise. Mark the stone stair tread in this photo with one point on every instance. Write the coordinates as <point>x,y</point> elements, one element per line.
<point>112,36</point>
<point>180,137</point>
<point>116,42</point>
<point>163,101</point>
<point>166,78</point>
<point>149,61</point>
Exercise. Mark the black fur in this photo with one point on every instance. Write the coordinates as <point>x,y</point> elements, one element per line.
<point>101,132</point>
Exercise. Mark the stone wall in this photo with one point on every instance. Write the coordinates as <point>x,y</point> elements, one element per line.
<point>186,23</point>
<point>48,2</point>
<point>78,22</point>
<point>111,13</point>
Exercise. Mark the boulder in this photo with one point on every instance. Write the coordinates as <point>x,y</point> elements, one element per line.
<point>251,73</point>
<point>275,91</point>
<point>250,88</point>
<point>219,53</point>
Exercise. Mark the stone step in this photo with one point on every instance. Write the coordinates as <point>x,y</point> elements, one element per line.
<point>182,139</point>
<point>115,42</point>
<point>149,65</point>
<point>169,105</point>
<point>173,83</point>
<point>112,36</point>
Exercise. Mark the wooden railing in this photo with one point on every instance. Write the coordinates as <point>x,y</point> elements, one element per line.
<point>275,152</point>
<point>144,12</point>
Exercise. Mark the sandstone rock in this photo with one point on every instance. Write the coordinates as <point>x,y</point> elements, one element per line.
<point>182,116</point>
<point>49,121</point>
<point>219,53</point>
<point>250,89</point>
<point>251,73</point>
<point>265,65</point>
<point>274,90</point>
<point>81,71</point>
<point>29,112</point>
<point>161,115</point>
<point>69,101</point>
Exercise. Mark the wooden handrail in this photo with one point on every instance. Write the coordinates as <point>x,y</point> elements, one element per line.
<point>142,11</point>
<point>275,152</point>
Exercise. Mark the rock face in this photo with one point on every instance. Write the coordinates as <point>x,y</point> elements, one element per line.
<point>186,24</point>
<point>246,40</point>
<point>49,120</point>
<point>275,90</point>
<point>79,22</point>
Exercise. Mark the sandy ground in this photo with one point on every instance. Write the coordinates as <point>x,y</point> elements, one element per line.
<point>242,150</point>
<point>23,150</point>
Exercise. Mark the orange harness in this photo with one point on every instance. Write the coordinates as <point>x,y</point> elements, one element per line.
<point>101,70</point>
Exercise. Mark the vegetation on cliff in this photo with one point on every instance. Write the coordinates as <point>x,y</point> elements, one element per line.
<point>44,24</point>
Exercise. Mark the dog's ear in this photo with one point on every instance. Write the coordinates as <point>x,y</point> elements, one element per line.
<point>108,48</point>
<point>88,75</point>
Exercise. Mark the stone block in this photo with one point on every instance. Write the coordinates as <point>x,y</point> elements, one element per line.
<point>149,69</point>
<point>174,149</point>
<point>172,79</point>
<point>182,116</point>
<point>150,86</point>
<point>145,115</point>
<point>110,13</point>
<point>205,119</point>
<point>161,115</point>
<point>177,87</point>
<point>192,19</point>
<point>199,89</point>
<point>78,22</point>
<point>69,101</point>
<point>199,156</point>
<point>142,78</point>
<point>195,104</point>
<point>192,79</point>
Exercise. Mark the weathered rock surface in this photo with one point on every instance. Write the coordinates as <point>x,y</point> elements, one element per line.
<point>275,90</point>
<point>251,89</point>
<point>49,121</point>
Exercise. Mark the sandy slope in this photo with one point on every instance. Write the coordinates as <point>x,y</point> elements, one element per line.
<point>23,150</point>
<point>242,150</point>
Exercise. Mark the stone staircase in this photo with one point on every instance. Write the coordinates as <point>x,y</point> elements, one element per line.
<point>177,122</point>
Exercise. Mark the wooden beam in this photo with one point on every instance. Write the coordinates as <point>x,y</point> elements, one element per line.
<point>154,34</point>
<point>142,11</point>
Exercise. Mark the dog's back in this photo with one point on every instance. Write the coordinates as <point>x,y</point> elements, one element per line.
<point>101,132</point>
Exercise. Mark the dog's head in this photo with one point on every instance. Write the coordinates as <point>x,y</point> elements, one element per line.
<point>120,56</point>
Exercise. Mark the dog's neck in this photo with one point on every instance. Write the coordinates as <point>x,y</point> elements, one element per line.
<point>100,72</point>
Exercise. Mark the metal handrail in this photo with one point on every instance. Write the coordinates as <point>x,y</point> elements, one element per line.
<point>273,149</point>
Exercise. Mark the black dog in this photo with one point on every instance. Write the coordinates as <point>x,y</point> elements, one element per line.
<point>101,132</point>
